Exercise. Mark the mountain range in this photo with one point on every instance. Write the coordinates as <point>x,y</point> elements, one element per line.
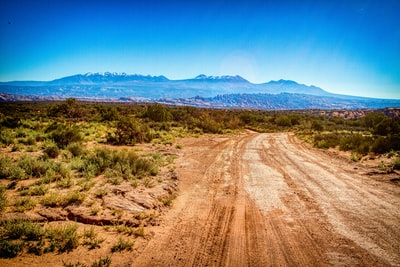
<point>202,91</point>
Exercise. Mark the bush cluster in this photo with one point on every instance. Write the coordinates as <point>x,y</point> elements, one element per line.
<point>18,235</point>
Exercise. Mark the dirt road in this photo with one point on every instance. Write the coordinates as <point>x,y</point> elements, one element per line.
<point>268,200</point>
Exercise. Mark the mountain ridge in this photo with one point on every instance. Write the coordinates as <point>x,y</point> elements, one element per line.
<point>224,91</point>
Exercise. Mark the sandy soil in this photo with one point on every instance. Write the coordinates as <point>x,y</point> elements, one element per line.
<point>270,200</point>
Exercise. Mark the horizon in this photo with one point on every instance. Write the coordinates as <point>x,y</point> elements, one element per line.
<point>354,52</point>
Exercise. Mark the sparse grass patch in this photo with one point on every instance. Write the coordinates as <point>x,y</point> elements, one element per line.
<point>65,182</point>
<point>355,157</point>
<point>86,184</point>
<point>64,237</point>
<point>101,192</point>
<point>102,262</point>
<point>167,201</point>
<point>122,245</point>
<point>90,238</point>
<point>56,200</point>
<point>34,190</point>
<point>24,204</point>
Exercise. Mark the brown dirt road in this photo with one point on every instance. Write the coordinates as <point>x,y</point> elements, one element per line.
<point>269,200</point>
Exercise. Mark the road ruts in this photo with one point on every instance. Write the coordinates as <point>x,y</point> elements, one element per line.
<point>267,200</point>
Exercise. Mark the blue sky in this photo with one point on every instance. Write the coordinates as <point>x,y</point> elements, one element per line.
<point>343,46</point>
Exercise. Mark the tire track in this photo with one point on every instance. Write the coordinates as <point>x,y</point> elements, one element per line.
<point>266,200</point>
<point>364,216</point>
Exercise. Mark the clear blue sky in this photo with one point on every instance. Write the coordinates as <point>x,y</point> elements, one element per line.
<point>343,46</point>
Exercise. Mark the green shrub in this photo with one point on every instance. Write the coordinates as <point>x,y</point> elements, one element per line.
<point>6,138</point>
<point>52,151</point>
<point>125,164</point>
<point>11,248</point>
<point>34,167</point>
<point>63,135</point>
<point>16,173</point>
<point>108,113</point>
<point>64,238</point>
<point>381,145</point>
<point>5,162</point>
<point>283,120</point>
<point>317,126</point>
<point>158,113</point>
<point>65,183</point>
<point>22,229</point>
<point>129,132</point>
<point>10,122</point>
<point>76,149</point>
<point>326,140</point>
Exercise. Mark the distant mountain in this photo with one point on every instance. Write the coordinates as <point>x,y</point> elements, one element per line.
<point>283,101</point>
<point>106,78</point>
<point>117,85</point>
<point>214,91</point>
<point>224,78</point>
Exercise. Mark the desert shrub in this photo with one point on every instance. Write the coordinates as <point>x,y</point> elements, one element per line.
<point>283,121</point>
<point>64,238</point>
<point>5,162</point>
<point>371,120</point>
<point>10,122</point>
<point>3,198</point>
<point>107,113</point>
<point>35,190</point>
<point>396,163</point>
<point>350,142</point>
<point>56,200</point>
<point>64,135</point>
<point>317,125</point>
<point>16,173</point>
<point>118,164</point>
<point>76,149</point>
<point>35,167</point>
<point>381,145</point>
<point>326,140</point>
<point>209,125</point>
<point>157,112</point>
<point>122,245</point>
<point>70,108</point>
<point>28,141</point>
<point>65,182</point>
<point>6,138</point>
<point>52,150</point>
<point>22,229</point>
<point>129,132</point>
<point>11,248</point>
